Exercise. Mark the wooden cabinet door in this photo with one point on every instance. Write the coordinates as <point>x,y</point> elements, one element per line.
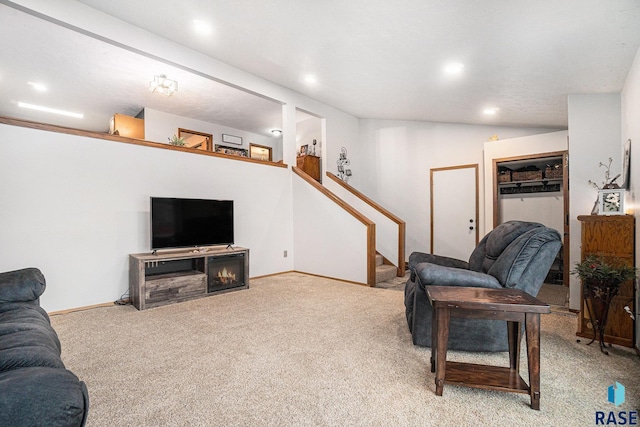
<point>612,237</point>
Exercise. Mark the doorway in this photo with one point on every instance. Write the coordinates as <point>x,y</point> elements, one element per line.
<point>536,188</point>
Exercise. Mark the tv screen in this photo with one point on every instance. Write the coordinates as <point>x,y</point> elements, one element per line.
<point>178,223</point>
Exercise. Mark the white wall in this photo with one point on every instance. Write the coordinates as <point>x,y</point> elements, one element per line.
<point>594,136</point>
<point>545,208</point>
<point>393,158</point>
<point>523,146</point>
<point>630,99</point>
<point>308,130</point>
<point>159,126</point>
<point>327,242</point>
<point>386,230</point>
<point>75,207</point>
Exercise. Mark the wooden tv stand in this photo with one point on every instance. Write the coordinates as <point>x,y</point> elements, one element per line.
<point>169,277</point>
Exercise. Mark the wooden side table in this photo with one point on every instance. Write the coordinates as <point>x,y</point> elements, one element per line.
<point>514,306</point>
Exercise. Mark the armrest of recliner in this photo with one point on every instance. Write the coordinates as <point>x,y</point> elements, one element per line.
<point>438,275</point>
<point>419,257</point>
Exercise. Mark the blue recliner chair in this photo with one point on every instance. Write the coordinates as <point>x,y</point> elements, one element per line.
<point>516,254</point>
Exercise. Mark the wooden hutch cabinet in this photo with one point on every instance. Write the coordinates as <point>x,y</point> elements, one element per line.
<point>613,237</point>
<point>310,165</point>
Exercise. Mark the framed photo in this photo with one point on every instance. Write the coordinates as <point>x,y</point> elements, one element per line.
<point>260,152</point>
<point>626,165</point>
<point>231,151</point>
<point>304,149</point>
<point>230,139</point>
<point>197,140</point>
<point>611,201</point>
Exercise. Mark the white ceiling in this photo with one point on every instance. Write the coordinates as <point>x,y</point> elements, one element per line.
<point>98,79</point>
<point>383,59</point>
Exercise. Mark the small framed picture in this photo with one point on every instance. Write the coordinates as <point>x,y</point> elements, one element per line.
<point>231,139</point>
<point>611,201</point>
<point>626,165</point>
<point>304,149</point>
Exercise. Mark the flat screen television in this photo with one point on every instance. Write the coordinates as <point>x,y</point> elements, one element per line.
<point>179,223</point>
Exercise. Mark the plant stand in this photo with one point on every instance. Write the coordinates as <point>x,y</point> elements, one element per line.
<point>598,296</point>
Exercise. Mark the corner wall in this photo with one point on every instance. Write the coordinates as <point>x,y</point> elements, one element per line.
<point>631,130</point>
<point>594,136</point>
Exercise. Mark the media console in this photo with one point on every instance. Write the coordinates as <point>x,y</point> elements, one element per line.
<point>169,277</point>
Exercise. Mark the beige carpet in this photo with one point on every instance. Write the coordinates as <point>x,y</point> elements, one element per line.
<point>295,350</point>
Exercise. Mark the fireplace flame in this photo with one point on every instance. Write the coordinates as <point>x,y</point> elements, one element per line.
<point>225,277</point>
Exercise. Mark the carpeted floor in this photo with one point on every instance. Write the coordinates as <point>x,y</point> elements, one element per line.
<point>296,350</point>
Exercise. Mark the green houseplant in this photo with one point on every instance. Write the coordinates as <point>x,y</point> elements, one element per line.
<point>177,141</point>
<point>596,270</point>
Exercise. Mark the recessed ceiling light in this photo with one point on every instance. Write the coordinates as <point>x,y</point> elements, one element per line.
<point>201,27</point>
<point>38,86</point>
<point>311,79</point>
<point>454,68</point>
<point>490,111</point>
<point>50,110</point>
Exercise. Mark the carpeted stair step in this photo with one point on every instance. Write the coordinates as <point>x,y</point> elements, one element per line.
<point>385,272</point>
<point>379,260</point>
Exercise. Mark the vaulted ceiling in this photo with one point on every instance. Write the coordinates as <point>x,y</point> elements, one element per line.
<point>370,58</point>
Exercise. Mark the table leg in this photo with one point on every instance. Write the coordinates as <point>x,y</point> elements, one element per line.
<point>443,315</point>
<point>513,329</point>
<point>532,327</point>
<point>434,338</point>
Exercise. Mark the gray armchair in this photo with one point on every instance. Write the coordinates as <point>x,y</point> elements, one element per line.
<point>516,254</point>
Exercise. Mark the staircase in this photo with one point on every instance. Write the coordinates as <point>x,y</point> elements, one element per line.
<point>384,271</point>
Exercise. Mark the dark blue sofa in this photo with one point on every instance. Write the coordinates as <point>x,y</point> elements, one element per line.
<point>35,387</point>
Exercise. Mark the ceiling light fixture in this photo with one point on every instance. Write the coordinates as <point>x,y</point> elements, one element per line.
<point>454,68</point>
<point>201,27</point>
<point>37,86</point>
<point>491,111</point>
<point>276,132</point>
<point>310,79</point>
<point>161,84</point>
<point>50,110</point>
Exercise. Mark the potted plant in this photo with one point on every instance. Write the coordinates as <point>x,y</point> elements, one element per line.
<point>596,270</point>
<point>601,279</point>
<point>177,141</point>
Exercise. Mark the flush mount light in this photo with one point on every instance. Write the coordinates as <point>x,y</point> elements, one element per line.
<point>161,84</point>
<point>201,27</point>
<point>454,68</point>
<point>37,86</point>
<point>311,79</point>
<point>50,110</point>
<point>490,111</point>
<point>276,132</point>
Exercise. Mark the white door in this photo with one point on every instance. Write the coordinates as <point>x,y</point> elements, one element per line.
<point>454,211</point>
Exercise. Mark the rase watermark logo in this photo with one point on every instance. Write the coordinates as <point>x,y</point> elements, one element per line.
<point>615,395</point>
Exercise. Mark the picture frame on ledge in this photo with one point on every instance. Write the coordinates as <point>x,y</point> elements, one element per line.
<point>611,201</point>
<point>231,139</point>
